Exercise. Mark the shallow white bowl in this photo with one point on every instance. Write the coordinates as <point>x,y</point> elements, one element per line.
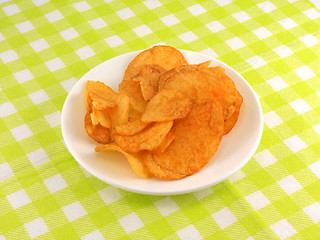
<point>234,151</point>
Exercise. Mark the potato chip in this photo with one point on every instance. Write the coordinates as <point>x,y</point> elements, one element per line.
<point>164,144</point>
<point>148,77</point>
<point>100,117</point>
<point>131,127</point>
<point>135,160</point>
<point>197,137</point>
<point>147,139</point>
<point>169,104</point>
<point>132,89</point>
<point>101,103</point>
<point>231,122</point>
<point>97,132</point>
<point>205,64</point>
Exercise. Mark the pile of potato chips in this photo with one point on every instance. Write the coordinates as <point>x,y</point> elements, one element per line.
<point>168,118</point>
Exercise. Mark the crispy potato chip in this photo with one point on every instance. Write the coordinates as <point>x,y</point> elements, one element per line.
<point>165,143</point>
<point>97,132</point>
<point>197,137</point>
<point>147,139</point>
<point>201,83</point>
<point>131,127</point>
<point>205,64</point>
<point>135,160</point>
<point>148,76</point>
<point>169,104</point>
<point>100,117</point>
<point>132,89</point>
<point>101,103</point>
<point>231,122</point>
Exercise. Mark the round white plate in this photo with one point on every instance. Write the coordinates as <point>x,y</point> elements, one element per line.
<point>235,149</point>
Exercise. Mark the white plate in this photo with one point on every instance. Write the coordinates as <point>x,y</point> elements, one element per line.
<point>234,151</point>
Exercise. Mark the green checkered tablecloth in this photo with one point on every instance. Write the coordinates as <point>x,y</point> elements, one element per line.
<point>46,46</point>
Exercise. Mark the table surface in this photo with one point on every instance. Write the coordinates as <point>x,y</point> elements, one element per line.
<point>46,46</point>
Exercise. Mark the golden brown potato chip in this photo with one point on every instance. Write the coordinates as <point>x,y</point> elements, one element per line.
<point>201,83</point>
<point>204,64</point>
<point>101,103</point>
<point>131,127</point>
<point>197,137</point>
<point>147,139</point>
<point>148,76</point>
<point>132,89</point>
<point>100,117</point>
<point>165,143</point>
<point>169,104</point>
<point>231,122</point>
<point>97,132</point>
<point>135,160</point>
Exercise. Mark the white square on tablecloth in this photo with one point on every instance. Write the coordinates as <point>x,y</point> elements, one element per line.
<point>203,193</point>
<point>235,43</point>
<point>54,16</point>
<point>166,206</point>
<point>152,4</point>
<point>256,62</point>
<point>315,168</point>
<point>313,212</point>
<point>189,232</point>
<point>300,106</point>
<point>188,37</point>
<point>224,217</point>
<point>38,157</point>
<point>265,158</point>
<point>238,175</point>
<point>7,109</point>
<point>18,199</point>
<point>125,13</point>
<point>11,9</point>
<point>68,84</point>
<point>317,128</point>
<point>69,34</point>
<point>1,37</point>
<point>215,26</point>
<point>277,83</point>
<point>258,200</point>
<point>114,41</point>
<point>288,23</point>
<point>309,40</point>
<point>170,20</point>
<point>196,10</point>
<point>283,51</point>
<point>304,72</point>
<point>209,52</point>
<point>25,26</point>
<point>21,132</point>
<point>55,183</point>
<point>289,184</point>
<point>142,30</point>
<point>283,229</point>
<point>312,13</point>
<point>74,211</point>
<point>53,119</point>
<point>295,143</point>
<point>8,56</point>
<point>110,194</point>
<point>39,45</point>
<point>39,96</point>
<point>36,227</point>
<point>97,23</point>
<point>262,33</point>
<point>95,235</point>
<point>222,3</point>
<point>5,171</point>
<point>85,52</point>
<point>241,16</point>
<point>54,64</point>
<point>39,2</point>
<point>82,6</point>
<point>131,222</point>
<point>267,6</point>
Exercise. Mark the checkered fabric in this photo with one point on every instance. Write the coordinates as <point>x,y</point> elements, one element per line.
<point>46,46</point>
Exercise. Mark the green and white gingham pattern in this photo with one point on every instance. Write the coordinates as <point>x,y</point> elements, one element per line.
<point>45,46</point>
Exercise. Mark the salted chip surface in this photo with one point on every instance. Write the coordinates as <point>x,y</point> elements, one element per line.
<point>135,160</point>
<point>231,122</point>
<point>131,128</point>
<point>96,132</point>
<point>168,104</point>
<point>205,64</point>
<point>147,139</point>
<point>100,117</point>
<point>165,143</point>
<point>197,137</point>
